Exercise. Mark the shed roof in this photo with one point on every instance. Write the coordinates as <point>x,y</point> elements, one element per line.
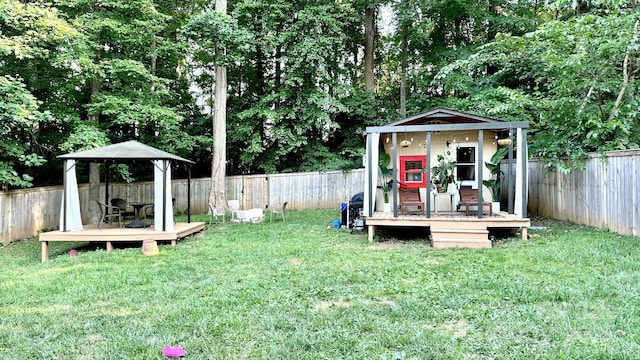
<point>125,151</point>
<point>443,114</point>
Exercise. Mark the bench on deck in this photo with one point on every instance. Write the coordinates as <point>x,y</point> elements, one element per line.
<point>410,197</point>
<point>469,197</point>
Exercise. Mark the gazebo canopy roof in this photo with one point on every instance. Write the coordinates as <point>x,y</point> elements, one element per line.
<point>124,151</point>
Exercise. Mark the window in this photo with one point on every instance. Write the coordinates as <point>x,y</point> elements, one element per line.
<point>412,173</point>
<point>466,158</point>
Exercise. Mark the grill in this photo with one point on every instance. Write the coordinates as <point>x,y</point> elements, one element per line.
<point>351,213</point>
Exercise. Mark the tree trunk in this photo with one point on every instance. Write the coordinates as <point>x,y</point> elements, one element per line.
<point>93,213</point>
<point>369,34</point>
<point>403,77</point>
<point>217,195</point>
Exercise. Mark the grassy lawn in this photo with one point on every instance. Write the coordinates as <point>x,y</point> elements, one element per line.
<point>302,290</point>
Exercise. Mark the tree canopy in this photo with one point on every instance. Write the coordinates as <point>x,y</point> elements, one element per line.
<point>75,74</point>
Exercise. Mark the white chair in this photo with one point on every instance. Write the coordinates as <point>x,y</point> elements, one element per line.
<point>233,206</point>
<point>215,213</point>
<point>283,211</point>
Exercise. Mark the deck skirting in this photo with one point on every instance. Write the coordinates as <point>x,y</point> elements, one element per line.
<point>452,229</point>
<point>109,235</point>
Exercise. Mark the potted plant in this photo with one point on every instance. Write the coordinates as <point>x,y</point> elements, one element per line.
<point>442,172</point>
<point>385,182</point>
<point>495,182</point>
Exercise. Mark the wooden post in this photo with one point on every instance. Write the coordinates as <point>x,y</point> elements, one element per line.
<point>45,251</point>
<point>371,232</point>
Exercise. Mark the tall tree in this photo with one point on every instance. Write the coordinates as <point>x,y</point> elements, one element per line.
<point>217,194</point>
<point>369,46</point>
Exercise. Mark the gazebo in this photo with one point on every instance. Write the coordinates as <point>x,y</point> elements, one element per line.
<point>71,227</point>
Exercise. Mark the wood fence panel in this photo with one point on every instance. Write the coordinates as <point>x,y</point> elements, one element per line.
<point>606,194</point>
<point>24,213</point>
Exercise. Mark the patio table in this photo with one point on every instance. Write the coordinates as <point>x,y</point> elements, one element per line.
<point>137,221</point>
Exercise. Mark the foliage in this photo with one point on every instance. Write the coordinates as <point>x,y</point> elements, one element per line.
<point>19,119</point>
<point>494,167</point>
<point>573,80</point>
<point>442,173</point>
<point>385,183</point>
<point>275,294</point>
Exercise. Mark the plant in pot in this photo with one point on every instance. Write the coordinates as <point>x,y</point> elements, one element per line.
<point>385,182</point>
<point>442,172</point>
<point>495,182</point>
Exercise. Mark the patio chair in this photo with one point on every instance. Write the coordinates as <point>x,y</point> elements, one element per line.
<point>122,205</point>
<point>109,212</point>
<point>410,197</point>
<point>215,213</point>
<point>233,206</point>
<point>283,211</point>
<point>149,211</point>
<point>469,197</point>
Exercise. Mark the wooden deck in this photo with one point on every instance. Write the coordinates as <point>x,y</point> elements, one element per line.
<point>110,234</point>
<point>450,229</point>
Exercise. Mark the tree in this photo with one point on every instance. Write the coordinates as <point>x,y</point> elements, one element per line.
<point>30,40</point>
<point>573,79</point>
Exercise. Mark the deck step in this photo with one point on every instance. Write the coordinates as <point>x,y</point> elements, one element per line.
<point>480,234</point>
<point>467,238</point>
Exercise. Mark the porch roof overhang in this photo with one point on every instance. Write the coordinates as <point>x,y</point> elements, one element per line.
<point>450,120</point>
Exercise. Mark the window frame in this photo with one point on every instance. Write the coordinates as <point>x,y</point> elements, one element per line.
<point>472,164</point>
<point>403,171</point>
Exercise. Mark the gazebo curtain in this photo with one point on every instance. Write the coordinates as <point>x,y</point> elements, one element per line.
<point>70,205</point>
<point>163,221</point>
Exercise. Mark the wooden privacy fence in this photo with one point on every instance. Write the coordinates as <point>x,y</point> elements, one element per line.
<point>606,194</point>
<point>24,213</point>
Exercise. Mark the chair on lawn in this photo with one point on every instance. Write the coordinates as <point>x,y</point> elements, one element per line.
<point>469,197</point>
<point>233,206</point>
<point>410,197</point>
<point>109,212</point>
<point>282,211</point>
<point>215,213</point>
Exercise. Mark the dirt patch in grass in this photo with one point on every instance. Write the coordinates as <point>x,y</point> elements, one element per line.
<point>390,244</point>
<point>296,261</point>
<point>324,305</point>
<point>457,329</point>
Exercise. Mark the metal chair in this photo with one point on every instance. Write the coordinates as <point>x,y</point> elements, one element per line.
<point>109,212</point>
<point>215,213</point>
<point>283,211</point>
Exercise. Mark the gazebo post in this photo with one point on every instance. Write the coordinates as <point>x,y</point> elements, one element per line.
<point>188,193</point>
<point>106,183</point>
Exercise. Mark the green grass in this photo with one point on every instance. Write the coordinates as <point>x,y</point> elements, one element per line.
<point>303,290</point>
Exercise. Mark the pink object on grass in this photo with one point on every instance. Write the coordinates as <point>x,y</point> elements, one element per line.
<point>73,253</point>
<point>174,351</point>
